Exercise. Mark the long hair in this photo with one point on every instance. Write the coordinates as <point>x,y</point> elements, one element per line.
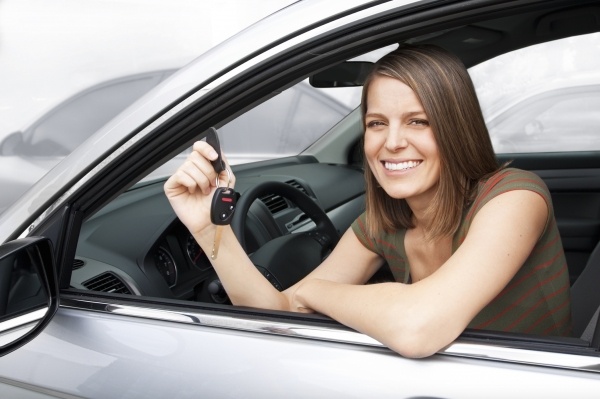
<point>443,86</point>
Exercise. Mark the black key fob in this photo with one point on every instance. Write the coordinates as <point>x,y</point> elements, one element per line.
<point>223,206</point>
<point>213,139</point>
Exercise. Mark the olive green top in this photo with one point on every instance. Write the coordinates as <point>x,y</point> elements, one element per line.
<point>537,299</point>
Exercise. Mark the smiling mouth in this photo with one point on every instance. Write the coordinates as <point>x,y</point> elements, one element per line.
<point>401,165</point>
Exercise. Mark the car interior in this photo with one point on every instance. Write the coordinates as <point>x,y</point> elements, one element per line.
<point>131,245</point>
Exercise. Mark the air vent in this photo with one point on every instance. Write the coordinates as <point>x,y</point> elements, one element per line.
<point>297,185</point>
<point>107,282</point>
<point>78,264</point>
<point>275,203</point>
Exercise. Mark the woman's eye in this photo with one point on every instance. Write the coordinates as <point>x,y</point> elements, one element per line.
<point>419,122</point>
<point>375,123</point>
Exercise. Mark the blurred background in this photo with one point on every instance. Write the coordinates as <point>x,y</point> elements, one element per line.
<point>67,67</point>
<point>53,49</point>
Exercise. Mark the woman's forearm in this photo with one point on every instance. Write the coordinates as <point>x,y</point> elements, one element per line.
<point>242,281</point>
<point>388,312</point>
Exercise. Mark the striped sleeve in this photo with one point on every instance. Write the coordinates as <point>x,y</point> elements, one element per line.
<point>359,226</point>
<point>537,299</point>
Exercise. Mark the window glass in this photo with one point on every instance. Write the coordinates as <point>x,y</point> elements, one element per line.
<point>71,123</point>
<point>283,125</point>
<point>291,121</point>
<point>543,98</point>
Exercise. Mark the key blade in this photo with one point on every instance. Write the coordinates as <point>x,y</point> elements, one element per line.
<point>217,242</point>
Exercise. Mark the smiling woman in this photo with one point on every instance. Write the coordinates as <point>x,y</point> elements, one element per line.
<point>469,232</point>
<point>453,124</point>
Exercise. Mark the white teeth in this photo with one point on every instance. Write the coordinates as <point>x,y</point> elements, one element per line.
<point>401,165</point>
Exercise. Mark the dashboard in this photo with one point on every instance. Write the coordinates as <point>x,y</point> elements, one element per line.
<point>136,245</point>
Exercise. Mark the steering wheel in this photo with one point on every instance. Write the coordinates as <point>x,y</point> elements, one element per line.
<point>287,259</point>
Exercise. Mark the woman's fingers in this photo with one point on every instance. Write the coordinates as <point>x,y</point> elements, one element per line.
<point>226,177</point>
<point>201,170</point>
<point>197,172</point>
<point>204,149</point>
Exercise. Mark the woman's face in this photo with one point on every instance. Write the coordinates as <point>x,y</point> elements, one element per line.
<point>399,143</point>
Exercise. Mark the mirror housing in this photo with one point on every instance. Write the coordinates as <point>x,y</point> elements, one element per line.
<point>28,290</point>
<point>346,74</point>
<point>9,145</point>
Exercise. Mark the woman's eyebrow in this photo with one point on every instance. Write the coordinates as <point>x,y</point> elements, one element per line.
<point>413,113</point>
<point>374,115</point>
<point>407,114</point>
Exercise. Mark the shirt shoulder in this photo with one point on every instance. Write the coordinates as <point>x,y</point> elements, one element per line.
<point>509,179</point>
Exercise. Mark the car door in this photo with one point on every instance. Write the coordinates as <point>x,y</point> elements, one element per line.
<point>106,343</point>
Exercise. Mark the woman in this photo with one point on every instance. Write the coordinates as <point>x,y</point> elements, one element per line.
<point>470,244</point>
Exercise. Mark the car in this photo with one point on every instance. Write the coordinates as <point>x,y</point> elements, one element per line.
<point>104,293</point>
<point>41,145</point>
<point>535,122</point>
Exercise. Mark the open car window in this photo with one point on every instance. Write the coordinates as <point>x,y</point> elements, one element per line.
<point>136,246</point>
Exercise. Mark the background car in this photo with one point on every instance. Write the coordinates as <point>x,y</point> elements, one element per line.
<point>106,295</point>
<point>27,155</point>
<point>537,122</point>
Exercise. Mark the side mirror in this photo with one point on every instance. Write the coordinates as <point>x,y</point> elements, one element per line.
<point>28,290</point>
<point>346,74</point>
<point>9,145</point>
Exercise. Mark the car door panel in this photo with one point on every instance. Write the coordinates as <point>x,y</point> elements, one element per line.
<point>121,356</point>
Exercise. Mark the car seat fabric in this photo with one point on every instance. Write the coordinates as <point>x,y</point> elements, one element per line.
<point>585,297</point>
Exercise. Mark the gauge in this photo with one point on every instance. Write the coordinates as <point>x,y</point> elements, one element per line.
<point>196,254</point>
<point>166,266</point>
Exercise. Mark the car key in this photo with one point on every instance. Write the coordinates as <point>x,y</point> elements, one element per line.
<point>213,140</point>
<point>224,199</point>
<point>223,206</point>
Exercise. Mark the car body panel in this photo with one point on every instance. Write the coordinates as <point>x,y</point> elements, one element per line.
<point>110,360</point>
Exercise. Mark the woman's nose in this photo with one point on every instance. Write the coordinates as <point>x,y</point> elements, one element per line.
<point>396,139</point>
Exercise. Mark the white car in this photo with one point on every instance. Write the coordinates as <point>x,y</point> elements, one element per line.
<point>103,293</point>
<point>536,122</point>
<point>26,156</point>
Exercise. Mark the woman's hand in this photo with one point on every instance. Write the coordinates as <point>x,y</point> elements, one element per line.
<point>191,187</point>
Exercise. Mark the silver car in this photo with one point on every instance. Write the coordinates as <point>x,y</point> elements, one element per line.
<point>104,294</point>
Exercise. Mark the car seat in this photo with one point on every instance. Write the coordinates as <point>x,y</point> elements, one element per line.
<point>585,300</point>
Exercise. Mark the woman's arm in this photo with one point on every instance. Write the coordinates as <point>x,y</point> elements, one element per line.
<point>190,192</point>
<point>420,319</point>
<point>350,263</point>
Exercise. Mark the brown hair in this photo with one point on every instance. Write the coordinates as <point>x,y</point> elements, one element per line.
<point>443,86</point>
